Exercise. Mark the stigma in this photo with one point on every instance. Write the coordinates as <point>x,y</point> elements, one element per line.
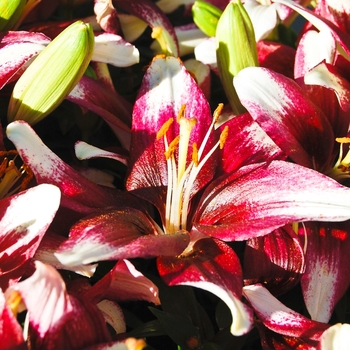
<point>12,178</point>
<point>341,169</point>
<point>182,172</point>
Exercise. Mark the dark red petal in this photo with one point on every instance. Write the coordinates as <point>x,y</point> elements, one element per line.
<point>213,266</point>
<point>275,260</point>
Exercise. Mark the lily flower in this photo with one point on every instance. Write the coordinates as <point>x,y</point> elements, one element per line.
<point>297,117</point>
<point>54,307</point>
<point>197,209</point>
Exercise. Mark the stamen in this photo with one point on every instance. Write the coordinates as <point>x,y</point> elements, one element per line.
<point>217,112</point>
<point>172,147</point>
<point>195,154</point>
<point>223,137</point>
<point>164,129</point>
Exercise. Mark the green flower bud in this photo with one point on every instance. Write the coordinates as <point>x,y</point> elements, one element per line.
<point>206,17</point>
<point>236,49</point>
<point>52,75</point>
<point>10,11</point>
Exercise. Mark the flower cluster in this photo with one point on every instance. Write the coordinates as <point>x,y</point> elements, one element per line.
<point>207,205</point>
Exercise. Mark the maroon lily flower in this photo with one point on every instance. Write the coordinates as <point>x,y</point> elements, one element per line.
<point>168,169</point>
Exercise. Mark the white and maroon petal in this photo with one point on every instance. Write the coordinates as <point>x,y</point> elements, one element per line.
<point>107,16</point>
<point>155,18</point>
<point>202,74</point>
<point>326,278</point>
<point>17,48</point>
<point>279,318</point>
<point>212,266</point>
<point>113,315</point>
<point>259,198</point>
<point>124,283</point>
<point>78,193</point>
<point>167,85</point>
<point>327,76</point>
<point>321,23</point>
<point>282,109</point>
<point>47,248</point>
<point>11,333</point>
<point>113,49</point>
<point>118,234</point>
<point>56,319</point>
<point>247,143</point>
<point>96,97</point>
<point>337,11</point>
<point>275,260</point>
<point>45,297</point>
<point>85,151</point>
<point>314,48</point>
<point>24,219</point>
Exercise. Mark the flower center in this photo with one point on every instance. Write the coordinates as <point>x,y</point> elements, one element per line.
<point>12,179</point>
<point>181,175</point>
<point>341,169</point>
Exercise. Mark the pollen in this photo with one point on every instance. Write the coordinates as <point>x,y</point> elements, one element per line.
<point>164,129</point>
<point>223,137</point>
<point>172,147</point>
<point>195,154</point>
<point>218,112</point>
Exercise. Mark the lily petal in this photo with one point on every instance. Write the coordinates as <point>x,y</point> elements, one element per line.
<point>123,283</point>
<point>17,48</point>
<point>78,193</point>
<point>335,337</point>
<point>118,234</point>
<point>52,313</point>
<point>326,278</point>
<point>113,49</point>
<point>280,318</point>
<point>240,206</point>
<point>85,151</point>
<point>156,19</point>
<point>214,267</point>
<point>108,104</point>
<point>281,108</point>
<point>276,260</point>
<point>24,219</point>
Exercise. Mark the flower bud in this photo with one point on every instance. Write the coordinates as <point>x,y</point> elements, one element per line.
<point>206,17</point>
<point>52,75</point>
<point>236,49</point>
<point>10,11</point>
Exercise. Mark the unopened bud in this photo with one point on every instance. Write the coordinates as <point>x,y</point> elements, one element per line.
<point>52,75</point>
<point>10,11</point>
<point>236,49</point>
<point>206,17</point>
